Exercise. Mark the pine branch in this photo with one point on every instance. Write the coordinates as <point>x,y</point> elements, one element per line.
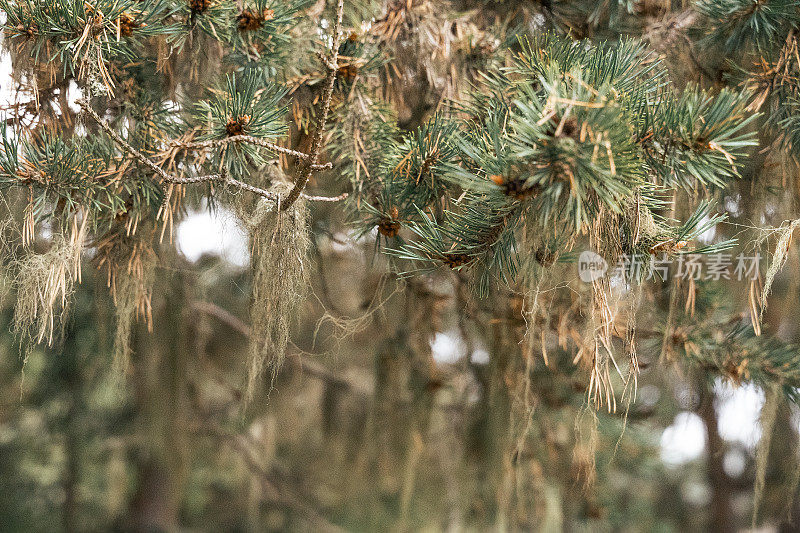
<point>169,178</point>
<point>330,80</point>
<point>738,23</point>
<point>248,139</point>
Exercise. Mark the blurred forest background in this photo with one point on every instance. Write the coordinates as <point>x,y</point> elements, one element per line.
<point>409,403</point>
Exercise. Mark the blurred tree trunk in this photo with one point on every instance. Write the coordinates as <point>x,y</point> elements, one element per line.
<point>719,510</point>
<point>782,475</point>
<point>69,364</point>
<point>161,400</point>
<point>72,452</point>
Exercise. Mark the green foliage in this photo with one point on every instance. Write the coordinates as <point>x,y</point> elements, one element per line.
<point>699,139</point>
<point>627,65</point>
<point>738,23</point>
<point>263,31</point>
<point>358,145</point>
<point>700,222</point>
<point>85,36</point>
<point>743,357</point>
<point>563,140</point>
<point>209,16</point>
<point>68,174</point>
<point>789,125</point>
<point>573,147</point>
<point>417,163</point>
<point>246,106</point>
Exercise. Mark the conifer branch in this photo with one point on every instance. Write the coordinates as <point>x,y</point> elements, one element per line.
<point>330,80</point>
<point>248,139</point>
<point>169,178</point>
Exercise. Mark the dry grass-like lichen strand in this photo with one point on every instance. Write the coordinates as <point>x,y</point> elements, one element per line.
<point>44,284</point>
<point>279,244</point>
<point>779,258</point>
<point>132,294</point>
<point>129,263</point>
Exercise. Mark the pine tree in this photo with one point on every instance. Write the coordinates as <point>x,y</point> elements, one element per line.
<point>406,171</point>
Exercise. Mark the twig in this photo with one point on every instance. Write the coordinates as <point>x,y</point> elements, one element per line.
<point>169,178</point>
<point>330,80</point>
<point>313,368</point>
<point>247,139</point>
<point>127,147</point>
<point>252,188</point>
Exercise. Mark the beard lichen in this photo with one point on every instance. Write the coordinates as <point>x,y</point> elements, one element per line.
<point>129,262</point>
<point>44,284</point>
<point>279,248</point>
<point>131,291</point>
<point>132,296</point>
<point>779,258</point>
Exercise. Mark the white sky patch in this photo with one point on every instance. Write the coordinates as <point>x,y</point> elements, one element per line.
<point>480,356</point>
<point>739,409</point>
<point>708,235</point>
<point>342,243</point>
<point>738,412</point>
<point>215,233</point>
<point>734,463</point>
<point>732,204</point>
<point>6,83</point>
<point>684,440</point>
<point>447,348</point>
<point>73,95</point>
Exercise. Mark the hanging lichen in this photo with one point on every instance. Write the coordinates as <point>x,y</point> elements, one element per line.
<point>44,283</point>
<point>132,299</point>
<point>279,247</point>
<point>598,350</point>
<point>346,327</point>
<point>584,454</point>
<point>129,263</point>
<point>8,250</point>
<point>778,259</point>
<point>131,291</point>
